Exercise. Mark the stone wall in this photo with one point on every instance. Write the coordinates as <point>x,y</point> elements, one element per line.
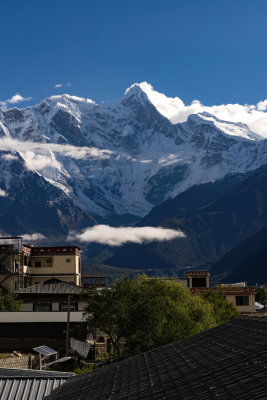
<point>24,362</point>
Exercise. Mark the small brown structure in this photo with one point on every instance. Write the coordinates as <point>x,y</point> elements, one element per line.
<point>198,279</point>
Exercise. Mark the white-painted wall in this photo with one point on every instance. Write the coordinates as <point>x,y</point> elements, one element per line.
<point>42,316</point>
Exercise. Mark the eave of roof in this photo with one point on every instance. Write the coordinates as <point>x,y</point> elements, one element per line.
<point>55,287</point>
<point>17,384</point>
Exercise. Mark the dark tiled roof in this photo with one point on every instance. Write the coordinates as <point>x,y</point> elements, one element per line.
<point>53,286</point>
<point>228,362</point>
<point>21,384</point>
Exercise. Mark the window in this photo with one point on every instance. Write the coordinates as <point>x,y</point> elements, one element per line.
<point>64,307</point>
<point>37,264</point>
<point>198,282</point>
<point>48,263</point>
<point>68,260</point>
<point>42,306</point>
<point>241,300</point>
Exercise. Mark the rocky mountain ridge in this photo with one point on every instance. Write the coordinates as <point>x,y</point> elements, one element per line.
<point>123,159</point>
<point>215,218</point>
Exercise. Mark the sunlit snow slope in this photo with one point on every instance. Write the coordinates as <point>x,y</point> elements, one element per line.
<point>125,158</point>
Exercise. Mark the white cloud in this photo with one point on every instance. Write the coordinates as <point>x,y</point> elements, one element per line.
<point>9,157</point>
<point>32,237</point>
<point>16,98</point>
<point>41,155</point>
<point>38,161</point>
<point>262,105</point>
<point>3,193</point>
<point>111,236</point>
<point>255,116</point>
<point>59,85</point>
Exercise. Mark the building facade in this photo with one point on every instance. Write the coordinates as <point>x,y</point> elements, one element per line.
<point>63,263</point>
<point>52,295</point>
<point>22,266</point>
<point>241,296</point>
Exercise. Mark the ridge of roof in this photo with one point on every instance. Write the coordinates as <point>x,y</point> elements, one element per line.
<point>52,286</point>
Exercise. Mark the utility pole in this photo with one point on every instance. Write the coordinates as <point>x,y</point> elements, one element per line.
<point>68,327</point>
<point>40,362</point>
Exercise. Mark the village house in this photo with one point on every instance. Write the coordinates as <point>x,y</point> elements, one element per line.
<point>22,266</point>
<point>240,295</point>
<point>52,295</point>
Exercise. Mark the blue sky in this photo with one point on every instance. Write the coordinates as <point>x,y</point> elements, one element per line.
<point>211,50</point>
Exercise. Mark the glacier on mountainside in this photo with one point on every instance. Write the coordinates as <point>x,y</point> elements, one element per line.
<point>127,157</point>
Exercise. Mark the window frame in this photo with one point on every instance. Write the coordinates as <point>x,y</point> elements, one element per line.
<point>242,301</point>
<point>37,262</point>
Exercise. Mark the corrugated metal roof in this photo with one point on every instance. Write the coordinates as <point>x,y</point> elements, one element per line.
<point>227,362</point>
<point>51,287</point>
<point>32,373</point>
<point>16,384</point>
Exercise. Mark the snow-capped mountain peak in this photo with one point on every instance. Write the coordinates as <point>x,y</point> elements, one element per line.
<point>170,108</point>
<point>124,158</point>
<point>237,129</point>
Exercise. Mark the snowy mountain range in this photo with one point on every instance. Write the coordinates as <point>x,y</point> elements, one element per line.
<point>104,161</point>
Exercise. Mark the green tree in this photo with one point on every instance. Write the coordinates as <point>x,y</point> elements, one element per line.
<point>261,294</point>
<point>140,314</point>
<point>9,302</point>
<point>223,310</point>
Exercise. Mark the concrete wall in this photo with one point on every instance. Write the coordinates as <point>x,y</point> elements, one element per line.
<point>55,306</point>
<point>27,307</point>
<point>42,316</point>
<point>242,309</point>
<point>59,268</point>
<point>81,306</point>
<point>59,264</point>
